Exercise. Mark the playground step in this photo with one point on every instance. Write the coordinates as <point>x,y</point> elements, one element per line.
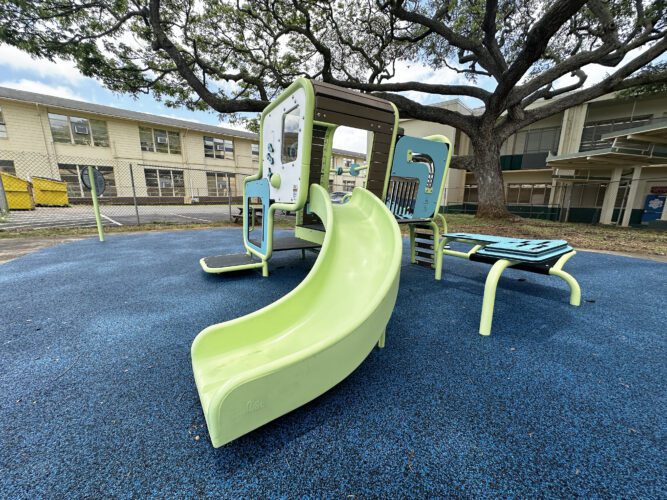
<point>424,245</point>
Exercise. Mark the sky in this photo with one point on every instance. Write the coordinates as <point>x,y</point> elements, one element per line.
<point>19,71</point>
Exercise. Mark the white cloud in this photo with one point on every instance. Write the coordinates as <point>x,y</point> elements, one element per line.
<point>596,72</point>
<point>233,126</point>
<point>21,61</point>
<point>42,88</point>
<point>351,139</point>
<point>418,72</point>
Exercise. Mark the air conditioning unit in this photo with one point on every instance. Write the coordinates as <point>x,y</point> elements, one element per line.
<point>81,129</point>
<point>161,140</point>
<point>219,147</point>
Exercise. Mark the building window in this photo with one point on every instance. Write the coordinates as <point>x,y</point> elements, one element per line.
<point>542,140</point>
<point>470,193</point>
<point>159,141</point>
<point>71,174</point>
<point>146,139</point>
<point>528,194</point>
<point>164,182</point>
<point>219,148</point>
<point>254,151</point>
<point>348,185</point>
<point>591,137</point>
<point>76,130</point>
<point>290,136</point>
<point>220,183</point>
<point>7,166</point>
<point>60,128</point>
<point>3,126</point>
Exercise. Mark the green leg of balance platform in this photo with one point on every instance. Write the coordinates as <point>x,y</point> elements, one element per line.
<point>557,270</point>
<point>254,369</point>
<point>490,295</point>
<point>491,284</point>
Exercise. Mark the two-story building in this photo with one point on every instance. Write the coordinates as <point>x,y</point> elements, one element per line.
<point>603,161</point>
<point>586,164</point>
<point>155,158</point>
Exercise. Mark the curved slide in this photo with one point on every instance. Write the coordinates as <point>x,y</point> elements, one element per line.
<point>256,368</point>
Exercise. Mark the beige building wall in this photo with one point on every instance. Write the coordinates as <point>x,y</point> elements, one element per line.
<point>34,153</point>
<point>454,187</point>
<point>572,128</point>
<point>346,182</point>
<point>29,144</point>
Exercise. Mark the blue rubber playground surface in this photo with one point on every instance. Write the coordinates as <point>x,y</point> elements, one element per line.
<point>98,397</point>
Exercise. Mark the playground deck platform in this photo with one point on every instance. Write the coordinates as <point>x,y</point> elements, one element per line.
<point>98,396</point>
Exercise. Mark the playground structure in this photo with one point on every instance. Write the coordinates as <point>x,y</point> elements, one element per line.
<point>253,369</point>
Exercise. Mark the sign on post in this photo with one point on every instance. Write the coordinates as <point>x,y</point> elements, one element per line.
<point>100,185</point>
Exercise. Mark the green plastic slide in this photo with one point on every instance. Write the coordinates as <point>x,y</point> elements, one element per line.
<point>256,368</point>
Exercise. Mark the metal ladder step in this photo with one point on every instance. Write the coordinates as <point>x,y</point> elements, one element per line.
<point>424,245</point>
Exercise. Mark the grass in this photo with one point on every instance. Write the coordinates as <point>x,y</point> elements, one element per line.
<point>584,236</point>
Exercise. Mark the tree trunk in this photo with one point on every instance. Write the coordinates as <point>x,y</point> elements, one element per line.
<point>486,167</point>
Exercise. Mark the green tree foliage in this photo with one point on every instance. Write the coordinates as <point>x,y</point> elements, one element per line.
<point>234,56</point>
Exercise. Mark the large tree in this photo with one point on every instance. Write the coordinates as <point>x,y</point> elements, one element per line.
<point>233,56</point>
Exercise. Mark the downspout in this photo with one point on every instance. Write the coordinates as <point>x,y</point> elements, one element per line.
<point>184,154</point>
<point>46,145</point>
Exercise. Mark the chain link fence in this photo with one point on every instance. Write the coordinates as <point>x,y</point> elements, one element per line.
<point>39,193</point>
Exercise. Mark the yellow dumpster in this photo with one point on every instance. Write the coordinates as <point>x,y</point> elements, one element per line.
<point>18,192</point>
<point>49,192</point>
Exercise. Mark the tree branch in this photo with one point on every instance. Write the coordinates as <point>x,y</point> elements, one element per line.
<point>413,109</point>
<point>162,42</point>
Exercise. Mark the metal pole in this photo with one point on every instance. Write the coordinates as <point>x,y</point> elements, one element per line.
<point>134,195</point>
<point>229,197</point>
<point>96,205</point>
<point>4,206</point>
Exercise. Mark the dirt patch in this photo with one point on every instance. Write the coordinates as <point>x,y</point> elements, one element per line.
<point>11,248</point>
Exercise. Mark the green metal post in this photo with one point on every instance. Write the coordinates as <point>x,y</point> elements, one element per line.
<point>490,295</point>
<point>557,270</point>
<point>96,205</point>
<point>413,253</point>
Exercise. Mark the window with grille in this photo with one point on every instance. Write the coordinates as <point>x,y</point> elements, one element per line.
<point>254,151</point>
<point>220,183</point>
<point>71,174</point>
<point>591,137</point>
<point>77,130</point>
<point>470,193</point>
<point>542,140</point>
<point>164,182</point>
<point>219,148</point>
<point>527,194</point>
<point>348,185</point>
<point>3,126</point>
<point>159,141</point>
